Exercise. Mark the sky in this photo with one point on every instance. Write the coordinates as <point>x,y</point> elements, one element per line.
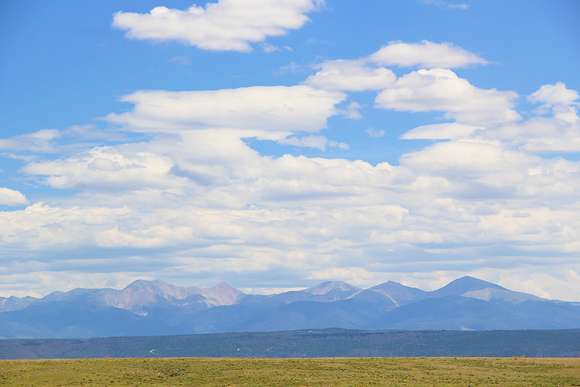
<point>274,144</point>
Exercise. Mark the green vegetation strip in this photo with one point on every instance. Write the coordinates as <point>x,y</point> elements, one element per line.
<point>292,372</point>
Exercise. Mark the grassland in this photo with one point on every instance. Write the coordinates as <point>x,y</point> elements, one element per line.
<point>293,372</point>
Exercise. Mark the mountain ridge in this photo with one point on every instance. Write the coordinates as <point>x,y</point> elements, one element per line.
<point>152,307</point>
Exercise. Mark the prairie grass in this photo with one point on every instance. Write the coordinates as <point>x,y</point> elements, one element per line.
<point>293,372</point>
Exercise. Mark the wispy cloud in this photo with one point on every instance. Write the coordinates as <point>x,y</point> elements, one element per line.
<point>375,133</point>
<point>455,5</point>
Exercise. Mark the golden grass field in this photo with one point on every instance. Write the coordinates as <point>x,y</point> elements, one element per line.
<point>293,372</point>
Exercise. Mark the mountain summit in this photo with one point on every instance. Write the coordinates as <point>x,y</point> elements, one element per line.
<point>465,284</point>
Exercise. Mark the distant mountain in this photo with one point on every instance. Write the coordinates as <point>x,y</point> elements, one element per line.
<point>140,296</point>
<point>158,308</point>
<point>464,285</point>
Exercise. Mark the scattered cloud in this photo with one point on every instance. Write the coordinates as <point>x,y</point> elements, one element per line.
<point>225,25</point>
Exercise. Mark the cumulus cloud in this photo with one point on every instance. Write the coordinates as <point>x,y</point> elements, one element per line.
<point>350,75</point>
<point>225,25</point>
<point>442,90</point>
<point>10,197</point>
<point>425,54</point>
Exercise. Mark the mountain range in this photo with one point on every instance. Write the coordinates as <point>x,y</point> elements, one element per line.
<point>149,308</point>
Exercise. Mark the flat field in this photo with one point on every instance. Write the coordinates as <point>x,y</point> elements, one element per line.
<point>293,372</point>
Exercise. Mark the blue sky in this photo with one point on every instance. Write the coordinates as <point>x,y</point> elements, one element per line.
<point>199,176</point>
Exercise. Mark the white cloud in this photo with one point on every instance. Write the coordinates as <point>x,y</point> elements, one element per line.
<point>276,108</point>
<point>225,25</point>
<point>426,55</point>
<point>467,156</point>
<point>539,134</point>
<point>442,90</point>
<point>554,128</point>
<point>477,169</point>
<point>43,227</point>
<point>350,75</point>
<point>10,197</point>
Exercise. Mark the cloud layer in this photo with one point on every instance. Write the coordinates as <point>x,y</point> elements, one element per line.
<point>192,199</point>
